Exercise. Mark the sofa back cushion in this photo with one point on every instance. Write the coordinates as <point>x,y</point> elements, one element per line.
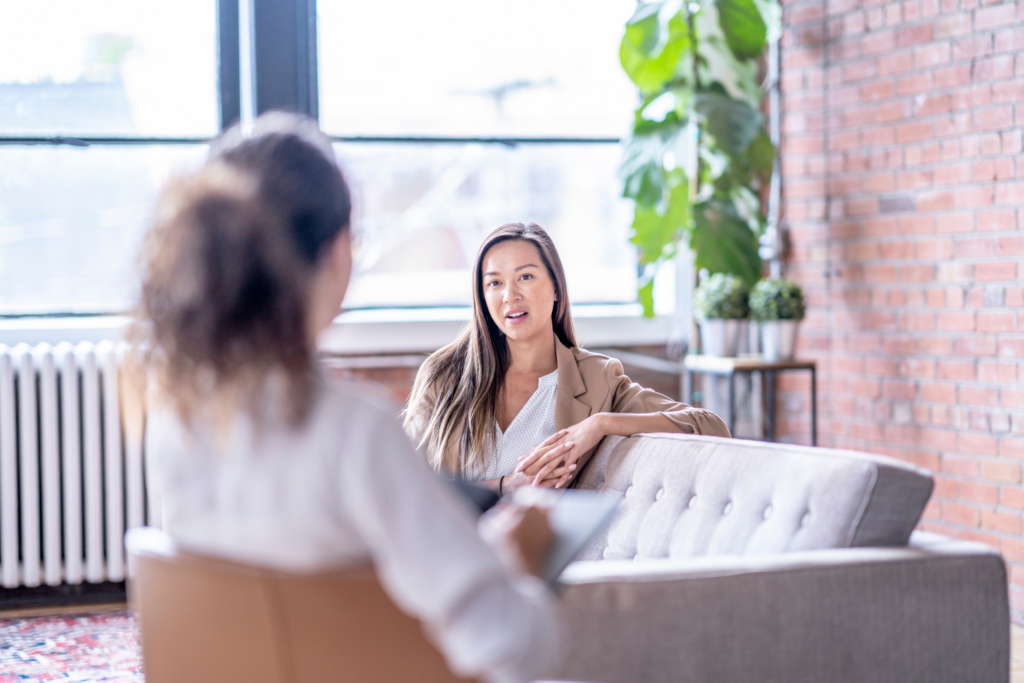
<point>687,496</point>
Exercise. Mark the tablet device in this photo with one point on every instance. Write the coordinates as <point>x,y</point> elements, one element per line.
<point>575,516</point>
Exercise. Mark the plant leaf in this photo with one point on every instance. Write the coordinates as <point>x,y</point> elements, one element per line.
<point>652,71</point>
<point>644,29</point>
<point>744,27</point>
<point>646,296</point>
<point>734,124</point>
<point>761,154</point>
<point>654,230</point>
<point>641,172</point>
<point>723,242</point>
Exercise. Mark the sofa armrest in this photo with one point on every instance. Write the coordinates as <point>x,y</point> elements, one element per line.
<point>937,612</point>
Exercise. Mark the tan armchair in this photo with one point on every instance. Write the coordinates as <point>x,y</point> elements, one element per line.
<point>205,620</point>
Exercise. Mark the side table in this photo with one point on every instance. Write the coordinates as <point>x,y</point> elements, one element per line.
<point>728,367</point>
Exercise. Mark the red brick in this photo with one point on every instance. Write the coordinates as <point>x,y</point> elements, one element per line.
<point>999,470</point>
<point>996,321</point>
<point>996,118</point>
<point>994,272</point>
<point>939,393</point>
<point>1010,348</point>
<point>914,35</point>
<point>965,515</point>
<point>1010,193</point>
<point>978,396</point>
<point>994,17</point>
<point>999,219</point>
<point>1012,497</point>
<point>997,373</point>
<point>1011,399</point>
<point>978,492</point>
<point>1011,447</point>
<point>977,346</point>
<point>957,322</point>
<point>1006,522</point>
<point>956,370</point>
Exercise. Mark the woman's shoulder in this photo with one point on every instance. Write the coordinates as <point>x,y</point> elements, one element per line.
<point>589,362</point>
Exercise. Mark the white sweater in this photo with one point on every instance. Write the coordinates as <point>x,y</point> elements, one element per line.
<point>349,488</point>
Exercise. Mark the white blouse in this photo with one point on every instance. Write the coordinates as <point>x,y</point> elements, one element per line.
<point>534,423</point>
<point>348,488</point>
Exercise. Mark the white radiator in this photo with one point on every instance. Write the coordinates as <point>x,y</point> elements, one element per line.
<point>71,475</point>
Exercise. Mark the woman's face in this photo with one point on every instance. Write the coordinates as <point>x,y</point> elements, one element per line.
<point>520,294</point>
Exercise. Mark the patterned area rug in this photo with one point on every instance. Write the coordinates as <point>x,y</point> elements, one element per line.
<point>81,647</point>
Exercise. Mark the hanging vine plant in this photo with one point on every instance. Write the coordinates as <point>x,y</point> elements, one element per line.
<point>698,156</point>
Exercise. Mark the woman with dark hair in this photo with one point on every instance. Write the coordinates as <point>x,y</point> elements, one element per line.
<point>514,401</point>
<point>259,458</point>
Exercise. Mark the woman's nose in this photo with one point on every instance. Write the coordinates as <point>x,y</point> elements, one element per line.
<point>512,293</point>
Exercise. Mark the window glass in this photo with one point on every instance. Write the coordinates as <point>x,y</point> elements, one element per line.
<point>422,210</point>
<point>108,68</point>
<point>462,68</point>
<point>71,220</point>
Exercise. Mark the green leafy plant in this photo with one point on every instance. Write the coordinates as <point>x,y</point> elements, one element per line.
<point>721,297</point>
<point>777,300</point>
<point>698,156</point>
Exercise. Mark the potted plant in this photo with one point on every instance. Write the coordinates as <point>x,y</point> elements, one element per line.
<point>778,305</point>
<point>720,305</point>
<point>698,159</point>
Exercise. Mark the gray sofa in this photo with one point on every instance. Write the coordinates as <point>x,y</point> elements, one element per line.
<point>734,560</point>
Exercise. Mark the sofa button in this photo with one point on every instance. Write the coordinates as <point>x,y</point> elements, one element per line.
<point>659,494</point>
<point>637,556</point>
<point>728,508</point>
<point>606,553</point>
<point>767,513</point>
<point>692,502</point>
<point>806,519</point>
<point>629,490</point>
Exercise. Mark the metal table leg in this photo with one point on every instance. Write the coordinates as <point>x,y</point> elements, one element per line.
<point>732,403</point>
<point>814,407</point>
<point>769,377</point>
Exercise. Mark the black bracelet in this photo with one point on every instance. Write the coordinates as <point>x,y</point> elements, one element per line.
<point>501,483</point>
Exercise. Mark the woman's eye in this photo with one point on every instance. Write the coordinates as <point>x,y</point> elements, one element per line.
<point>492,283</point>
<point>526,276</point>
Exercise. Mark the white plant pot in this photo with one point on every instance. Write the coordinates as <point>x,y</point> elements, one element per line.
<point>778,339</point>
<point>720,337</point>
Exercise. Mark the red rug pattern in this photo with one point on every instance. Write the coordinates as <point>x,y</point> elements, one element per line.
<point>81,647</point>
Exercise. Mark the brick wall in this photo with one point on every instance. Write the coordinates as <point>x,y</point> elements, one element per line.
<point>904,200</point>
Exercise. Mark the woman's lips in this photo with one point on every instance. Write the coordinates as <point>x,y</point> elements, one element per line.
<point>516,317</point>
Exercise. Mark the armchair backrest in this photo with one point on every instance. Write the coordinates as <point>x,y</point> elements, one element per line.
<point>206,620</point>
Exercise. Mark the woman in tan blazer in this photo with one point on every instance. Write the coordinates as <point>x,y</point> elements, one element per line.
<point>514,401</point>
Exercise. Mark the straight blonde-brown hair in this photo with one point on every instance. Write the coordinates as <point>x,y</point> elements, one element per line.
<point>465,378</point>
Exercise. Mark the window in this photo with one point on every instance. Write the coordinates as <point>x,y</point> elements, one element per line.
<point>419,92</point>
<point>450,117</point>
<point>95,77</point>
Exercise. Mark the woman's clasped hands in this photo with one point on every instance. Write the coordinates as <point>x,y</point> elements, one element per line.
<point>552,464</point>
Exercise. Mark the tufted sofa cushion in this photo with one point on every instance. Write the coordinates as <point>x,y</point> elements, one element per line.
<point>687,496</point>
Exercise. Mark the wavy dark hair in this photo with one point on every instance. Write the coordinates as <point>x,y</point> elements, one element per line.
<point>227,268</point>
<point>457,390</point>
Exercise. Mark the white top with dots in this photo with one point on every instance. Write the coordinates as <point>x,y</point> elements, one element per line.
<point>534,423</point>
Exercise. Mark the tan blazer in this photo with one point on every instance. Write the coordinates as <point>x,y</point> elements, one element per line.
<point>590,383</point>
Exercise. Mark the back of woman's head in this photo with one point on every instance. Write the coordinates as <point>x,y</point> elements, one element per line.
<point>228,267</point>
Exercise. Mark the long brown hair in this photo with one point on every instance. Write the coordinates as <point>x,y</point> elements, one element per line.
<point>227,268</point>
<point>466,377</point>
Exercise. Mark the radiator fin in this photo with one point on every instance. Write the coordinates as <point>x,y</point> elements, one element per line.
<point>72,475</point>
